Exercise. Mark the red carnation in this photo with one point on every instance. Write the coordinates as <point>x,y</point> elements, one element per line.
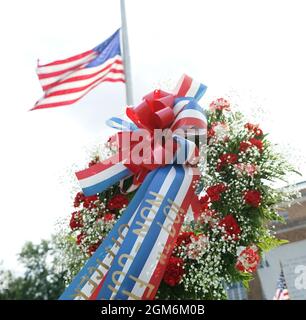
<point>204,203</point>
<point>199,205</point>
<point>219,104</point>
<point>248,259</point>
<point>229,158</point>
<point>117,202</point>
<point>231,227</point>
<point>253,142</point>
<point>257,143</point>
<point>108,217</point>
<point>89,202</point>
<point>215,191</point>
<point>226,158</point>
<point>254,128</point>
<point>93,247</point>
<point>76,220</point>
<point>174,271</point>
<point>244,146</point>
<point>80,238</point>
<point>78,199</point>
<point>253,198</point>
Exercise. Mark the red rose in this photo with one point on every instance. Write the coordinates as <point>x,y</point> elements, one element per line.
<point>174,271</point>
<point>117,202</point>
<point>253,198</point>
<point>76,220</point>
<point>231,227</point>
<point>215,191</point>
<point>80,238</point>
<point>184,238</point>
<point>78,199</point>
<point>89,202</point>
<point>248,259</point>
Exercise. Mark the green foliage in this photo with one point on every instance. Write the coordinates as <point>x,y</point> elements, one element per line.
<point>268,243</point>
<point>41,279</point>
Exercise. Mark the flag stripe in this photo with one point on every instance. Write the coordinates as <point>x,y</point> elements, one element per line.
<point>70,59</point>
<point>47,72</point>
<point>68,102</point>
<point>80,85</point>
<point>281,290</point>
<point>82,74</point>
<point>75,96</point>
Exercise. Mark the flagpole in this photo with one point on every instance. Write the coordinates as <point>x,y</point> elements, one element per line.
<point>126,55</point>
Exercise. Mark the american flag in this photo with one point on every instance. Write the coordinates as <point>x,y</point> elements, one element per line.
<point>281,290</point>
<point>66,81</point>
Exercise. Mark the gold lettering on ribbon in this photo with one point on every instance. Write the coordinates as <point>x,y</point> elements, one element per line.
<point>113,290</point>
<point>131,295</point>
<point>173,207</point>
<point>115,282</point>
<point>143,284</point>
<point>114,274</point>
<point>124,255</point>
<point>92,270</point>
<point>146,218</point>
<point>90,281</point>
<point>110,252</point>
<point>102,264</point>
<point>141,232</point>
<point>157,201</point>
<point>84,279</point>
<point>144,228</point>
<point>170,229</point>
<point>120,230</point>
<point>116,242</point>
<point>144,214</point>
<point>79,293</point>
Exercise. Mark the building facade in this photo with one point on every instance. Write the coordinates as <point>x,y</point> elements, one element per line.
<point>291,256</point>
